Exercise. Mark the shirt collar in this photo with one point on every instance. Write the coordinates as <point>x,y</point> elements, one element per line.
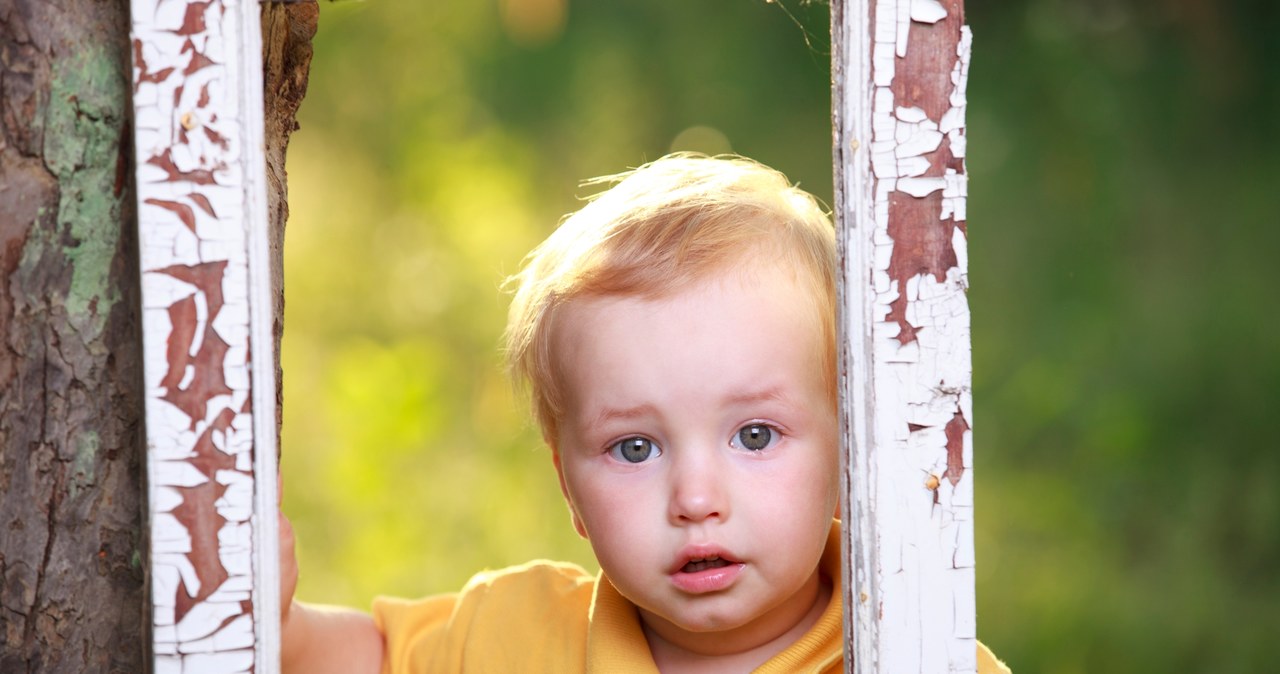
<point>615,640</point>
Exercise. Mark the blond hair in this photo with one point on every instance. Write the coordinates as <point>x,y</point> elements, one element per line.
<point>659,228</point>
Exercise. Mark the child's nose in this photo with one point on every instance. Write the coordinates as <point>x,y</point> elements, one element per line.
<point>697,491</point>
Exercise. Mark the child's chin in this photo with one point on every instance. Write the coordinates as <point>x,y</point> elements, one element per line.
<point>707,623</point>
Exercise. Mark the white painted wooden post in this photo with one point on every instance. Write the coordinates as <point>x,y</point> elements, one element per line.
<point>899,68</point>
<point>208,365</point>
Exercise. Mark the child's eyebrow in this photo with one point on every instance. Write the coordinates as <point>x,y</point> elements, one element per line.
<point>624,413</point>
<point>607,414</point>
<point>770,394</point>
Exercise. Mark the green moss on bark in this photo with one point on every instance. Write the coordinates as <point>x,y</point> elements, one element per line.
<point>84,126</point>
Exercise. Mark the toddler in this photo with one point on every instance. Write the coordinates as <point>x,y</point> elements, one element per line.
<point>677,338</point>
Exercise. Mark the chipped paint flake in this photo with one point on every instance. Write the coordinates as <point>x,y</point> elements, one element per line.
<point>202,238</point>
<point>921,187</point>
<point>927,11</point>
<point>902,10</point>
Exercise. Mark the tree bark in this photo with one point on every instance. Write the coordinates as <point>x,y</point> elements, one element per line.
<point>287,29</point>
<point>70,384</point>
<point>72,567</point>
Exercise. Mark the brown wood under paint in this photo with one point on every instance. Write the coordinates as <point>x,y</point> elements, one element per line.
<point>215,137</point>
<point>203,202</point>
<point>955,430</point>
<point>921,245</point>
<point>198,513</point>
<point>208,380</point>
<point>922,78</point>
<point>921,239</point>
<point>193,20</point>
<point>165,162</point>
<point>198,60</point>
<point>183,211</point>
<point>146,75</point>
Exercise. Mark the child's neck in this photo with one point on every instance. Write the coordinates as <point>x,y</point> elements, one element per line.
<point>673,657</point>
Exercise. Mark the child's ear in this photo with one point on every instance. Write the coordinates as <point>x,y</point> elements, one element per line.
<point>573,511</point>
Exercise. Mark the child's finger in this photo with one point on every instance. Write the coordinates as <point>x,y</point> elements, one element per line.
<point>288,565</point>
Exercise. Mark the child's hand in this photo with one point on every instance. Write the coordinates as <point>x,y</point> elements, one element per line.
<point>319,639</point>
<point>289,640</point>
<point>288,558</point>
<point>288,571</point>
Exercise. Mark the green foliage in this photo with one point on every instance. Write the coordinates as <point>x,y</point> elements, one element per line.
<point>1122,214</point>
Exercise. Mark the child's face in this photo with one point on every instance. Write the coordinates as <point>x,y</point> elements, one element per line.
<point>698,426</point>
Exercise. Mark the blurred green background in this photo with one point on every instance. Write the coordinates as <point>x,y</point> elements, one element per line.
<point>1124,234</point>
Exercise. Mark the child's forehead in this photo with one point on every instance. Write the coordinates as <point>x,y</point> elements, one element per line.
<point>761,296</point>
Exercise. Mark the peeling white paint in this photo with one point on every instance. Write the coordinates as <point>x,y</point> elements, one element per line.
<point>921,187</point>
<point>906,352</point>
<point>955,194</point>
<point>202,244</point>
<point>230,662</point>
<point>927,11</point>
<point>902,15</point>
<point>176,474</point>
<point>960,244</point>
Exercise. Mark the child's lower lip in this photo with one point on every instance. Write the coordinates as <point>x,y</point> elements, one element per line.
<point>707,580</point>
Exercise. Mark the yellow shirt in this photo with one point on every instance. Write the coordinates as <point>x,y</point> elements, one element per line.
<point>554,617</point>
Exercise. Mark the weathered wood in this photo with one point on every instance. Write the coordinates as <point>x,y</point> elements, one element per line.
<point>71,510</point>
<point>71,598</point>
<point>210,321</point>
<point>900,68</point>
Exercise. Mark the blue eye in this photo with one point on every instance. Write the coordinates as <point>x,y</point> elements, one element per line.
<point>755,437</point>
<point>635,450</point>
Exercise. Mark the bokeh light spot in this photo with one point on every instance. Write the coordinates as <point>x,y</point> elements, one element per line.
<point>533,22</point>
<point>703,139</point>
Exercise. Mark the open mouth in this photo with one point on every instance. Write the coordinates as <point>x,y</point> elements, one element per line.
<point>712,562</point>
<point>706,570</point>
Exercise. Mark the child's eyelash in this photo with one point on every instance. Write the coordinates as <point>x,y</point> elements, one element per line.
<point>772,426</point>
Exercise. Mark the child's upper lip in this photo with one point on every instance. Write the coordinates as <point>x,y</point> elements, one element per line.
<point>701,551</point>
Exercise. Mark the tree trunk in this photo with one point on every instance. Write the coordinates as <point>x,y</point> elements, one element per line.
<point>70,384</point>
<point>287,29</point>
<point>71,451</point>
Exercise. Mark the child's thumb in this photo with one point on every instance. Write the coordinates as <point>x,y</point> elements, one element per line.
<point>288,565</point>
